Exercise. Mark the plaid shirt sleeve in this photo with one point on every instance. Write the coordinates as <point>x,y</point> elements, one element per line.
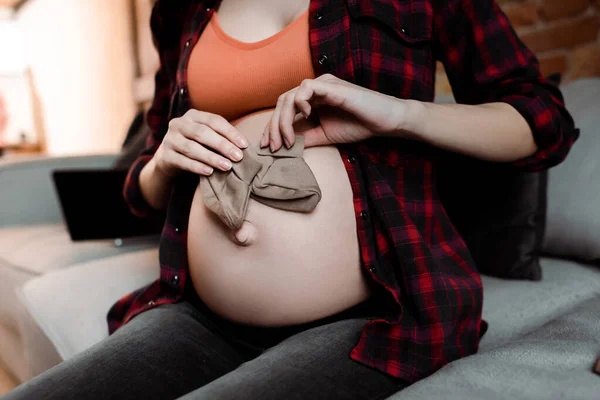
<point>157,116</point>
<point>485,62</point>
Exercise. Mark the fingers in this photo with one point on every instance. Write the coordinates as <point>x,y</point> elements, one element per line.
<point>280,128</point>
<point>199,143</point>
<point>218,124</point>
<point>195,151</point>
<point>264,140</point>
<point>205,136</point>
<point>323,90</point>
<point>303,96</point>
<point>286,119</point>
<point>274,133</point>
<point>187,164</point>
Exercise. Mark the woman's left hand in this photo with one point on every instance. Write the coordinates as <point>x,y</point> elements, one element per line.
<point>346,113</point>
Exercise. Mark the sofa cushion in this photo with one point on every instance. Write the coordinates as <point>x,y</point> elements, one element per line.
<point>553,362</point>
<point>29,251</point>
<point>40,249</point>
<point>11,354</point>
<point>514,308</point>
<point>73,326</point>
<point>573,214</point>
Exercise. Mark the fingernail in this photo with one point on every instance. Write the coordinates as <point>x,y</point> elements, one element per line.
<point>287,143</point>
<point>226,165</point>
<point>272,146</point>
<point>208,170</point>
<point>236,154</point>
<point>242,141</point>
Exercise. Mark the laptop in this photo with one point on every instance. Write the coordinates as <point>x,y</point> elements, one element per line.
<point>93,206</point>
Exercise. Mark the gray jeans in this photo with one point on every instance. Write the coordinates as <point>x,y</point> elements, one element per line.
<point>184,350</point>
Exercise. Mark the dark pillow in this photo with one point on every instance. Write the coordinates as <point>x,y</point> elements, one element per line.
<point>500,213</point>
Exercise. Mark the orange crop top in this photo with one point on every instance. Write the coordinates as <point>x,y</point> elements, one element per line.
<point>233,78</point>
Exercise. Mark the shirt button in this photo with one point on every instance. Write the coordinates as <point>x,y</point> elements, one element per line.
<point>151,303</point>
<point>373,269</point>
<point>207,9</point>
<point>176,229</point>
<point>175,280</point>
<point>351,159</point>
<point>188,43</point>
<point>322,59</point>
<point>364,214</point>
<point>318,16</point>
<point>182,91</point>
<point>403,30</point>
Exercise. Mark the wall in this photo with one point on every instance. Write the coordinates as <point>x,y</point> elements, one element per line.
<point>11,43</point>
<point>17,109</point>
<point>564,35</point>
<point>82,63</point>
<point>148,61</point>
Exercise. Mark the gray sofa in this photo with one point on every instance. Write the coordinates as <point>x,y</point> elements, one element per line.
<point>543,336</point>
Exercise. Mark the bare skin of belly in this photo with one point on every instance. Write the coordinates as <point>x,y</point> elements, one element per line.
<point>300,267</point>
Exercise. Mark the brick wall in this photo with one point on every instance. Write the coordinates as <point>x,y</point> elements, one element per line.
<point>564,35</point>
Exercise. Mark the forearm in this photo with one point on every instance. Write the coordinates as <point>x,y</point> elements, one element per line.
<point>155,186</point>
<point>491,132</point>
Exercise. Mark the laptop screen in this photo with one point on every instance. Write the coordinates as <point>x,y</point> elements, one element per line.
<point>94,208</point>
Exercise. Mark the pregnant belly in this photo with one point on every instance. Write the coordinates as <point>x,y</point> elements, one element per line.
<point>301,266</point>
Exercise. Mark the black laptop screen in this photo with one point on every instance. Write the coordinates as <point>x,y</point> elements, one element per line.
<point>93,206</point>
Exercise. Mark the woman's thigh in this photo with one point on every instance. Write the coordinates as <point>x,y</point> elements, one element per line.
<point>312,364</point>
<point>162,353</point>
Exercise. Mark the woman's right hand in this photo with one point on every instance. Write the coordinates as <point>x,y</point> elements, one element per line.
<point>198,142</point>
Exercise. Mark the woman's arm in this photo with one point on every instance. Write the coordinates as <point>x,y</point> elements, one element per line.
<point>507,111</point>
<point>486,62</point>
<point>491,132</point>
<point>155,186</point>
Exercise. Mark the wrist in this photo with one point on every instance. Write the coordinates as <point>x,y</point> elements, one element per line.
<point>154,185</point>
<point>410,116</point>
<point>156,173</point>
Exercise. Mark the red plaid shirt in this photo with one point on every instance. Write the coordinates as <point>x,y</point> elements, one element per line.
<point>408,245</point>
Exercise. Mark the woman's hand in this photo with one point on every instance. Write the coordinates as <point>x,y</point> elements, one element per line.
<point>199,142</point>
<point>346,113</point>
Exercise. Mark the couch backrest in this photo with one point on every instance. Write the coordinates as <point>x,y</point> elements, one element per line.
<point>573,214</point>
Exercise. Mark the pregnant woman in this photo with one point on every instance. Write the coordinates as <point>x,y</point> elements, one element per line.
<point>373,289</point>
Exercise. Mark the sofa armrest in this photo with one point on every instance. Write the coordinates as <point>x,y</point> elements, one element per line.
<point>26,189</point>
<point>70,306</point>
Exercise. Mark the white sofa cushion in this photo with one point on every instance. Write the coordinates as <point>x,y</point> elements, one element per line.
<point>29,251</point>
<point>70,305</point>
<point>39,249</point>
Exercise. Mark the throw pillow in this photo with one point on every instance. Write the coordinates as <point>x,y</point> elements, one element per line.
<point>499,214</point>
